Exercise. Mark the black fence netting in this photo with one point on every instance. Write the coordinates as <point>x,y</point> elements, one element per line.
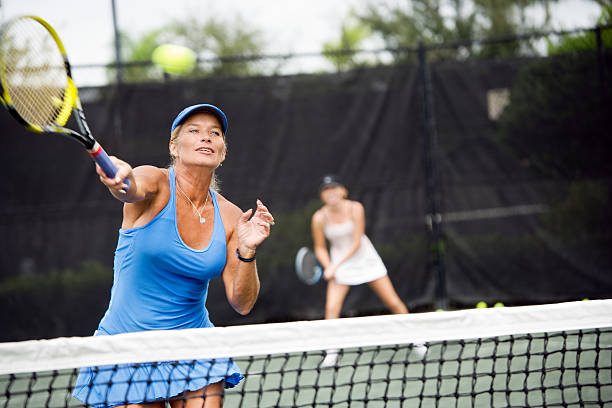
<point>500,191</point>
<point>524,190</point>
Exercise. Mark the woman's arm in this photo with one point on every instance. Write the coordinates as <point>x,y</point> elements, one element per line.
<point>318,239</point>
<point>240,278</point>
<point>144,181</point>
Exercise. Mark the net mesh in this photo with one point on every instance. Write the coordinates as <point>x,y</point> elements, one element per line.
<point>33,71</point>
<point>488,368</point>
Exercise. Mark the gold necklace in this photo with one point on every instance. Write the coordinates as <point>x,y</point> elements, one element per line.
<point>202,219</point>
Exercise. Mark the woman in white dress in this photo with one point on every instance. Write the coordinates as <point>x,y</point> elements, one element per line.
<point>351,259</point>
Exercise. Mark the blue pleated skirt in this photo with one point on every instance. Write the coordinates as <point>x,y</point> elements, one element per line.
<point>112,385</point>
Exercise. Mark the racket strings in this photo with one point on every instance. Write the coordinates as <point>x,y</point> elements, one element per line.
<point>309,266</point>
<point>33,71</point>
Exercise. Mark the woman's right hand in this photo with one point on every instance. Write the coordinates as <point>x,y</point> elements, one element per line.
<point>117,185</point>
<point>329,272</point>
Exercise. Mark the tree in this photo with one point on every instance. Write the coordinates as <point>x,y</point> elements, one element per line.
<point>557,119</point>
<point>138,50</point>
<point>225,44</point>
<point>352,35</point>
<point>585,41</point>
<point>557,123</point>
<point>407,24</point>
<point>217,44</point>
<point>444,21</point>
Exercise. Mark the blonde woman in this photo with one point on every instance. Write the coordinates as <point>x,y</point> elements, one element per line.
<point>177,234</point>
<point>351,259</point>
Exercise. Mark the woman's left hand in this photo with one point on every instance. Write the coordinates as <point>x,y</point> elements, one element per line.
<point>253,231</point>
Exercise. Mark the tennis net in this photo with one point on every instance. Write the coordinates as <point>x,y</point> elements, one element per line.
<point>536,356</point>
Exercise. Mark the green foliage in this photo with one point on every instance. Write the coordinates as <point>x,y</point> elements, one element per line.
<point>215,38</point>
<point>557,123</point>
<point>406,24</point>
<point>210,39</point>
<point>61,303</point>
<point>139,49</point>
<point>351,38</point>
<point>586,41</point>
<point>583,215</point>
<point>500,22</point>
<point>558,117</point>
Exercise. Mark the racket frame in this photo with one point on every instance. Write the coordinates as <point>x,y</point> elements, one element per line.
<point>71,105</point>
<point>299,269</point>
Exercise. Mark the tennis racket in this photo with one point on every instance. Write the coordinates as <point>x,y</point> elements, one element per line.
<point>307,266</point>
<point>36,85</point>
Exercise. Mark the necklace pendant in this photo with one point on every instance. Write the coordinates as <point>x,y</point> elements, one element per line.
<point>202,220</point>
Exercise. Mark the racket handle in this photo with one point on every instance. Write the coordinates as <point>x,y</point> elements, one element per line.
<point>99,155</point>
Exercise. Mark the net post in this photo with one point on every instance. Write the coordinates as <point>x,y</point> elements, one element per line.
<point>432,185</point>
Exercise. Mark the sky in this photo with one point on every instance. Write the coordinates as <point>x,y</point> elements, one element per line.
<point>288,26</point>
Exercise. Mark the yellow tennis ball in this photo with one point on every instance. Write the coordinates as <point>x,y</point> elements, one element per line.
<point>174,59</point>
<point>481,305</point>
<point>498,304</point>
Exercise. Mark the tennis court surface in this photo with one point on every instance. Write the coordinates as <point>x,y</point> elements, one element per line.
<point>536,356</point>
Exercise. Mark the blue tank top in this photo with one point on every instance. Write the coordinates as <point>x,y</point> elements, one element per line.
<point>159,282</point>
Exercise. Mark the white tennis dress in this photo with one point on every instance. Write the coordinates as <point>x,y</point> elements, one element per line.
<point>364,266</point>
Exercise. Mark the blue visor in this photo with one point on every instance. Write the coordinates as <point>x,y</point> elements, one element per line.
<point>201,107</point>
